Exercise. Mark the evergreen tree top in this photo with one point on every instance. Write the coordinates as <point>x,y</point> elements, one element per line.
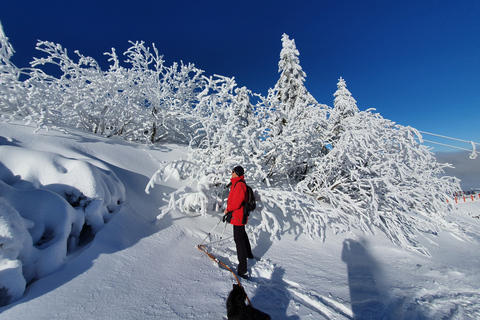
<point>290,89</point>
<point>344,103</point>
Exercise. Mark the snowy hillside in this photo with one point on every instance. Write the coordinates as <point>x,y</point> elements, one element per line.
<point>138,267</point>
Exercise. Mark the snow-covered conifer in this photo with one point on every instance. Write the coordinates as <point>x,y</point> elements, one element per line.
<point>290,89</point>
<point>295,122</point>
<point>291,146</point>
<point>344,105</point>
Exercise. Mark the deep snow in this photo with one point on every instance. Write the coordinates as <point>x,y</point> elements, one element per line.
<point>141,267</point>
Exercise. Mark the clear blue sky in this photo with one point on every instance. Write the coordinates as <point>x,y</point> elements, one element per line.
<point>417,62</point>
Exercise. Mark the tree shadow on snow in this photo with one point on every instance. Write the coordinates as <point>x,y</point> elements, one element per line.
<point>368,299</point>
<point>365,296</point>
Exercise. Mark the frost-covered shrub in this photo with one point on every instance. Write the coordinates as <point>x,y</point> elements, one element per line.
<point>145,101</point>
<point>12,92</point>
<point>279,211</point>
<point>227,134</point>
<point>381,177</point>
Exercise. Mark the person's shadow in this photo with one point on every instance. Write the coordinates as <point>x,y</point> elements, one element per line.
<point>365,296</point>
<point>272,296</point>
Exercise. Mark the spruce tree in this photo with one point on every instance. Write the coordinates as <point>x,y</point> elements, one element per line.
<point>344,106</point>
<point>294,122</point>
<point>290,89</point>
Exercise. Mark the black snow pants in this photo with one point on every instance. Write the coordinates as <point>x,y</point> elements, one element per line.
<point>244,250</point>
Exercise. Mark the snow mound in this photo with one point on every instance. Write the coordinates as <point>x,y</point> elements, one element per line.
<point>49,205</point>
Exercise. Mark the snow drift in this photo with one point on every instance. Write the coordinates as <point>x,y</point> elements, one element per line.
<point>49,205</point>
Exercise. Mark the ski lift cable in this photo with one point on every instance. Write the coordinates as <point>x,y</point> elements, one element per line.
<point>446,145</point>
<point>437,135</point>
<point>473,154</point>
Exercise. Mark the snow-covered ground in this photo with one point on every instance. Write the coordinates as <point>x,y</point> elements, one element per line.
<point>138,267</point>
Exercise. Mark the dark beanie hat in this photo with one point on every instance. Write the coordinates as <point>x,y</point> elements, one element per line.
<point>238,170</point>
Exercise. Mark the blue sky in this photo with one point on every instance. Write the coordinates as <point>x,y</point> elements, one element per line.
<point>417,62</point>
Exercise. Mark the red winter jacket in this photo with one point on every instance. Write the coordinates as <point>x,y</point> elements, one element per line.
<point>236,197</point>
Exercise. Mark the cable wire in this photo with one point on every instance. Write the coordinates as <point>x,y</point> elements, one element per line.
<point>473,154</point>
<point>437,135</point>
<point>446,145</point>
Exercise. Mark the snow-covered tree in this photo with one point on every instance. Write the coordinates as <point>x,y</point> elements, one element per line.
<point>379,176</point>
<point>344,106</point>
<point>295,122</point>
<point>146,102</point>
<point>165,95</point>
<point>290,89</point>
<point>12,92</point>
<point>291,146</point>
<point>227,135</point>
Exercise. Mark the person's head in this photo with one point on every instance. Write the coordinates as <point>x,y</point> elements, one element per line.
<point>238,170</point>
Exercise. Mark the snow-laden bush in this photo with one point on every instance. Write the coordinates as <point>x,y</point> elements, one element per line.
<point>12,91</point>
<point>145,102</point>
<point>227,135</point>
<point>381,177</point>
<point>164,95</point>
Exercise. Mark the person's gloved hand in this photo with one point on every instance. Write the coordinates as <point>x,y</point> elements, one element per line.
<point>227,217</point>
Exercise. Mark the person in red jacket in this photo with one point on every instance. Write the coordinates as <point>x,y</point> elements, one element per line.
<point>236,197</point>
